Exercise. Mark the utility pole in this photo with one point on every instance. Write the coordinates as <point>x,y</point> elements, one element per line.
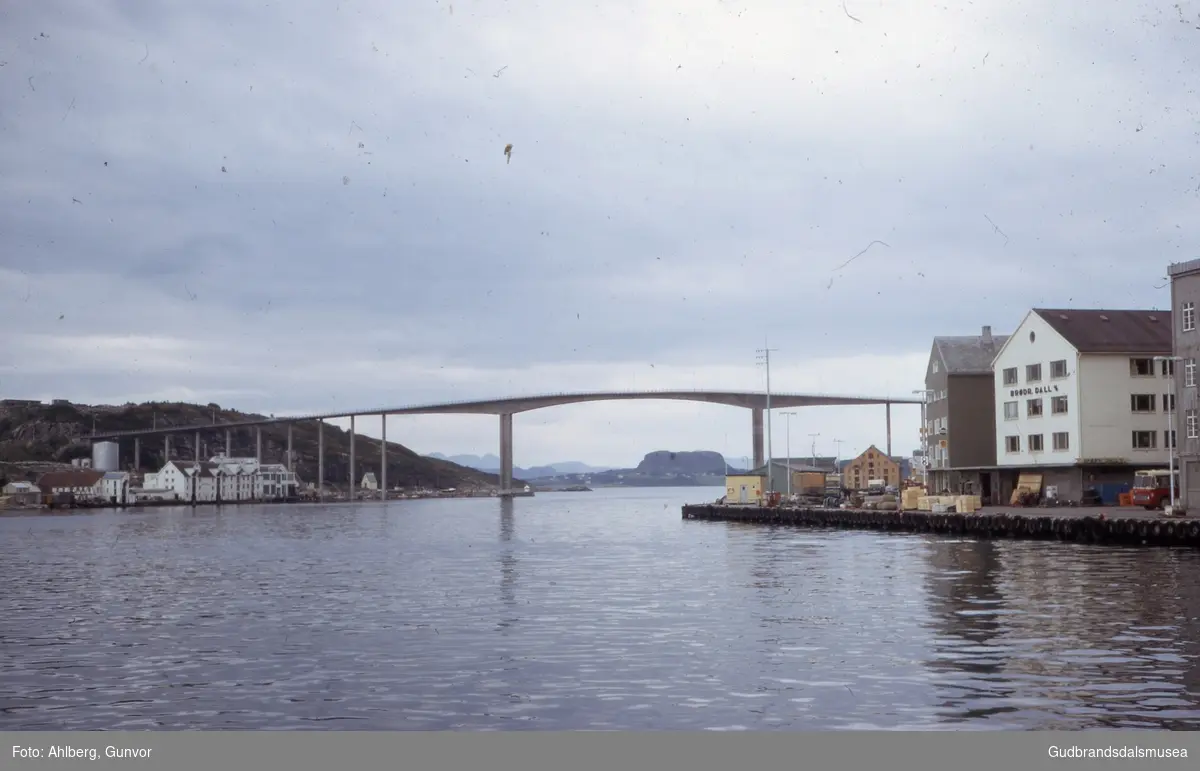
<point>764,355</point>
<point>814,447</point>
<point>787,421</point>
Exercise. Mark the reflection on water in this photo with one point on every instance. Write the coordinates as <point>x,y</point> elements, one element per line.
<point>596,610</point>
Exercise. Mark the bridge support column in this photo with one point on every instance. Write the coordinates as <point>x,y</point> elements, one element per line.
<point>353,495</point>
<point>888,408</point>
<point>506,452</point>
<point>258,443</point>
<point>137,453</point>
<point>166,448</point>
<point>228,443</point>
<point>196,447</point>
<point>321,459</point>
<point>383,460</point>
<point>756,423</point>
<point>290,461</point>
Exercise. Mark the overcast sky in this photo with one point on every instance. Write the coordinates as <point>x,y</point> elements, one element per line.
<point>304,206</point>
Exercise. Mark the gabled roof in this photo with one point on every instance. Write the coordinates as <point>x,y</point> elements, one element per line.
<point>205,468</point>
<point>968,354</point>
<point>116,475</point>
<point>84,477</point>
<point>1112,331</point>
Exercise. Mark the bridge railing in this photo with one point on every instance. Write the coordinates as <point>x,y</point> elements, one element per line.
<point>442,406</point>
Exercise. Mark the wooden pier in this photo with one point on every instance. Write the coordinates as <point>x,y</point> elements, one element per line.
<point>1086,525</point>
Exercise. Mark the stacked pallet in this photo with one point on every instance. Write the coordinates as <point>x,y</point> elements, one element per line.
<point>941,504</point>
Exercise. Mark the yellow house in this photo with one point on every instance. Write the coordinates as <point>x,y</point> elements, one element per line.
<point>744,488</point>
<point>871,465</point>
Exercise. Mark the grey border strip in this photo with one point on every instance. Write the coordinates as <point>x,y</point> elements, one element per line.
<point>584,751</point>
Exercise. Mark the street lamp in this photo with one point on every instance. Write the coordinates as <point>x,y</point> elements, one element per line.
<point>764,355</point>
<point>1171,426</point>
<point>814,448</point>
<point>924,394</point>
<point>787,419</point>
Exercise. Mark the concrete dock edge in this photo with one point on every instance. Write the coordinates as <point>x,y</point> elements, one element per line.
<point>1043,525</point>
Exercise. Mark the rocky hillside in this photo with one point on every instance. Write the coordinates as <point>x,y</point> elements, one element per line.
<point>33,435</point>
<point>665,463</point>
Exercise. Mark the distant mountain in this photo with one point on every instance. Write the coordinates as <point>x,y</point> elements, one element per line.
<point>662,468</point>
<point>491,464</point>
<point>665,462</point>
<point>480,462</point>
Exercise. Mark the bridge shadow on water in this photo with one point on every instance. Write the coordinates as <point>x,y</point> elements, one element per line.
<point>508,562</point>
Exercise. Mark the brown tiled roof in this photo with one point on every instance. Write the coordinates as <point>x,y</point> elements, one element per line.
<point>74,478</point>
<point>1103,331</point>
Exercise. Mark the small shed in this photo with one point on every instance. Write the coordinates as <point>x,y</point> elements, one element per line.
<point>745,488</point>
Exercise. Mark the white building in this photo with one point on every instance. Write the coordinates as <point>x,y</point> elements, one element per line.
<point>114,487</point>
<point>369,482</point>
<point>223,479</point>
<point>1081,401</point>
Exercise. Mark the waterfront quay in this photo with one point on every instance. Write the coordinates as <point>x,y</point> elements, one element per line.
<point>1124,526</point>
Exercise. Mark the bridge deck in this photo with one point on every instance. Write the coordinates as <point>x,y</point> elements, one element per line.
<point>513,405</point>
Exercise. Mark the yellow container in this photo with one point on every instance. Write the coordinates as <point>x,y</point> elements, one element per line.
<point>966,504</point>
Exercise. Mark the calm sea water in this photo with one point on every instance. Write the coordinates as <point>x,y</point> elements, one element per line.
<point>600,610</point>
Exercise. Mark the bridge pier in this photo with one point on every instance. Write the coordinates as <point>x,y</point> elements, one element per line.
<point>258,443</point>
<point>228,443</point>
<point>383,459</point>
<point>506,452</point>
<point>321,459</point>
<point>353,495</point>
<point>888,411</point>
<point>756,423</point>
<point>290,462</point>
<point>196,447</point>
<point>166,448</point>
<point>137,453</point>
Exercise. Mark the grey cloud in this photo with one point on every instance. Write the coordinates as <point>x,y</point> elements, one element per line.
<point>633,223</point>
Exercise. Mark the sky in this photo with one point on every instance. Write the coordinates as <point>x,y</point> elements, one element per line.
<point>297,207</point>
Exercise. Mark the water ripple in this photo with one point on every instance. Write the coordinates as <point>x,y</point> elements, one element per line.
<point>600,611</point>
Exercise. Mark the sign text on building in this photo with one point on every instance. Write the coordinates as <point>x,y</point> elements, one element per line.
<point>1035,391</point>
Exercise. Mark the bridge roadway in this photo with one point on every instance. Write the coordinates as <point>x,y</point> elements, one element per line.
<point>505,408</point>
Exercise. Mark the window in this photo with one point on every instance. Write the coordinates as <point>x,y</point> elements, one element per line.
<point>1189,373</point>
<point>1058,368</point>
<point>1010,376</point>
<point>1058,405</point>
<point>1145,440</point>
<point>1168,402</point>
<point>1012,444</point>
<point>1035,442</point>
<point>1141,367</point>
<point>1168,367</point>
<point>1189,317</point>
<point>1011,411</point>
<point>935,366</point>
<point>1193,425</point>
<point>1141,402</point>
<point>1033,408</point>
<point>1033,373</point>
<point>1062,440</point>
<point>1169,440</point>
